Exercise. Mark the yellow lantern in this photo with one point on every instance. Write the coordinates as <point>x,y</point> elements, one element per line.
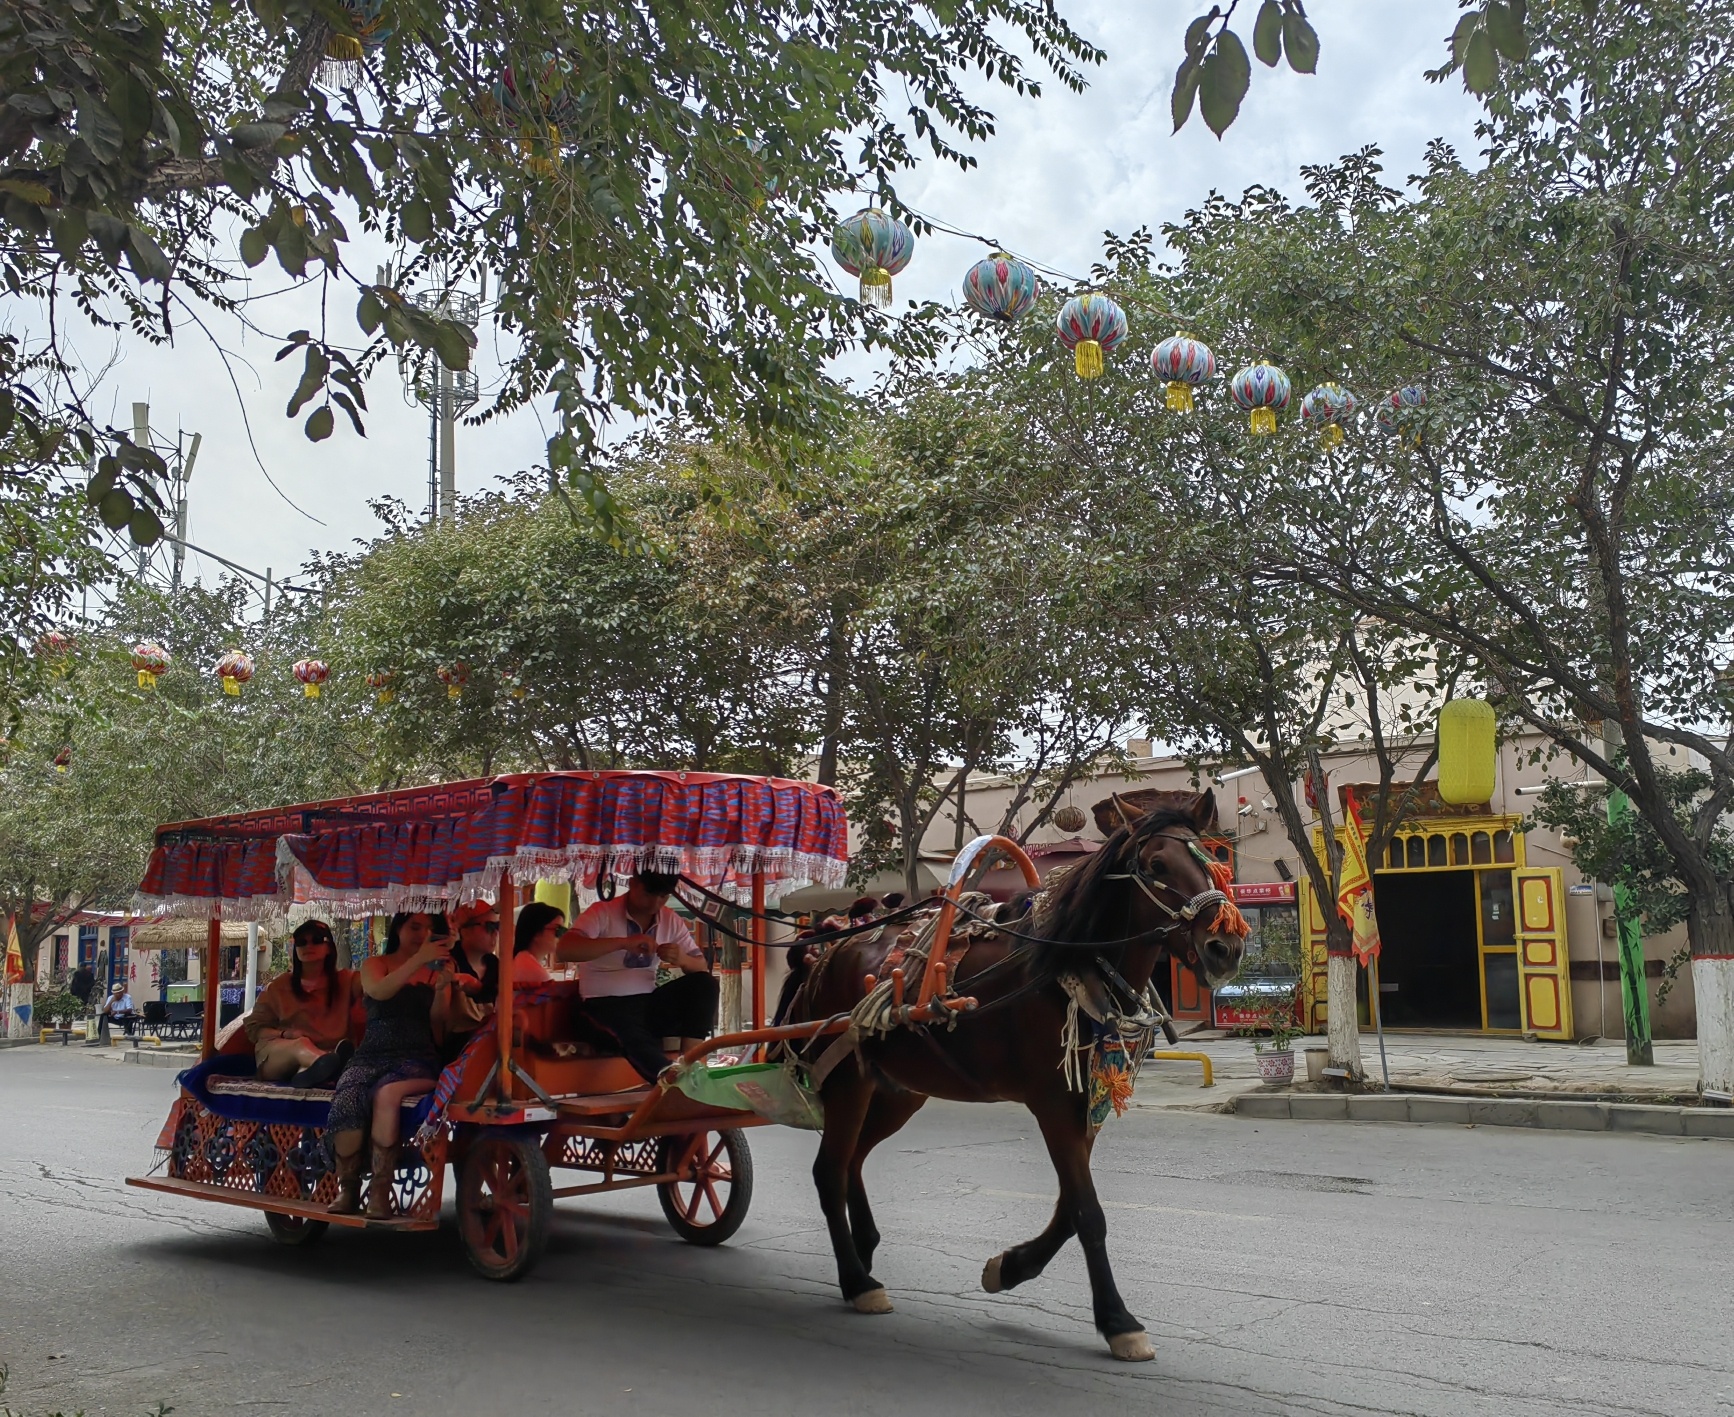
<point>1468,751</point>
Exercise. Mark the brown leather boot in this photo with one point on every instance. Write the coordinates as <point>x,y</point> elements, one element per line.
<point>381,1184</point>
<point>348,1199</point>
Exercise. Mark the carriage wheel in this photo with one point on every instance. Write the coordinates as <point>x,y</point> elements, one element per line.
<point>709,1202</point>
<point>295,1230</point>
<point>505,1200</point>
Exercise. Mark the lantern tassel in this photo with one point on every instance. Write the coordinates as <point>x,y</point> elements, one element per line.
<point>1263,422</point>
<point>341,67</point>
<point>454,691</point>
<point>310,691</point>
<point>1087,359</point>
<point>1180,398</point>
<point>1331,435</point>
<point>385,696</point>
<point>876,286</point>
<point>146,680</point>
<point>231,686</point>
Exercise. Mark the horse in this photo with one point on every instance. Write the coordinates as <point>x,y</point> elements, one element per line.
<point>1147,895</point>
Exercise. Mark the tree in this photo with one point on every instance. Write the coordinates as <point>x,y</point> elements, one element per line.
<point>646,182</point>
<point>77,836</point>
<point>1567,314</point>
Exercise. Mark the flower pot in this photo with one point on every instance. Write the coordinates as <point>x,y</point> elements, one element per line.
<point>1276,1067</point>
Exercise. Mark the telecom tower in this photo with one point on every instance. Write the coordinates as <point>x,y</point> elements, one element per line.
<point>180,457</point>
<point>448,394</point>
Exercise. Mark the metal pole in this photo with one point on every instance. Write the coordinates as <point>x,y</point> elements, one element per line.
<point>433,457</point>
<point>213,981</point>
<point>1378,1017</point>
<point>180,548</point>
<point>251,988</point>
<point>448,407</point>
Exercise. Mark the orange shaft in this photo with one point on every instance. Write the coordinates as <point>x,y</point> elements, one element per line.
<point>508,906</point>
<point>758,949</point>
<point>213,977</point>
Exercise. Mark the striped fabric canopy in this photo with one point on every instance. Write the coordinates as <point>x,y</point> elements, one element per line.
<point>435,847</point>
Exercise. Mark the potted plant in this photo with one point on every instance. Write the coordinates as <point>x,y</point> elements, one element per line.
<point>1277,1021</point>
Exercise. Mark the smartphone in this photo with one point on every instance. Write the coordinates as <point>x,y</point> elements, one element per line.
<point>439,928</point>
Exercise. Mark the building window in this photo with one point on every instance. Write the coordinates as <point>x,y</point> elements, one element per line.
<point>1481,849</point>
<point>1459,849</point>
<point>1504,849</point>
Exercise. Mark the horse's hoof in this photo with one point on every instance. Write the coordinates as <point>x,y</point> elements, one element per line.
<point>874,1301</point>
<point>990,1275</point>
<point>1131,1347</point>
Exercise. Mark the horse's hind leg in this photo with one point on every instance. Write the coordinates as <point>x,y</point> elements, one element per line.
<point>886,1115</point>
<point>1061,1119</point>
<point>847,1097</point>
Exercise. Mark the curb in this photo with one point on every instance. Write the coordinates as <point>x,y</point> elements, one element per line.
<point>1545,1115</point>
<point>151,1058</point>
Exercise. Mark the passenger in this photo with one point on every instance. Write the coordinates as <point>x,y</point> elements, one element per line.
<point>539,926</point>
<point>301,1023</point>
<point>407,989</point>
<point>863,910</point>
<point>475,974</point>
<point>618,943</point>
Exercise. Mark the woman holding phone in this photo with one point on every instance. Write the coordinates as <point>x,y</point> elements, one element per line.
<point>407,991</point>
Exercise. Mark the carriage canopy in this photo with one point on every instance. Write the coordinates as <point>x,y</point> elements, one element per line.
<point>432,848</point>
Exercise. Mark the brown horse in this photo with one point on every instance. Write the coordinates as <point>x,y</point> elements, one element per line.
<point>1146,895</point>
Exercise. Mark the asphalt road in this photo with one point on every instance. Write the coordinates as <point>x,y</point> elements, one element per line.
<point>1280,1267</point>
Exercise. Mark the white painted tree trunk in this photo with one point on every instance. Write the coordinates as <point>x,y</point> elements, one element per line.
<point>20,996</point>
<point>1713,984</point>
<point>1343,1018</point>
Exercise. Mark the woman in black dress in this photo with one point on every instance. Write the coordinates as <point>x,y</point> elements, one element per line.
<point>407,989</point>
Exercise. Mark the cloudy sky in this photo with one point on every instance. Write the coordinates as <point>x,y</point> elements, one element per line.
<point>1061,170</point>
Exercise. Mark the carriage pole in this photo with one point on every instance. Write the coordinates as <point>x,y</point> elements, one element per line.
<point>213,974</point>
<point>508,904</point>
<point>758,949</point>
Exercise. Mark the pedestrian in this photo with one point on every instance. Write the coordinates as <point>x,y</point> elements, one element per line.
<point>79,986</point>
<point>116,1008</point>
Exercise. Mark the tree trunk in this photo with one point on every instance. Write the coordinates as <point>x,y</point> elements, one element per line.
<point>1711,929</point>
<point>836,684</point>
<point>1344,1023</point>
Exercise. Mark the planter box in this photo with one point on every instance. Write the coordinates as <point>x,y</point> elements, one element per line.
<point>1276,1067</point>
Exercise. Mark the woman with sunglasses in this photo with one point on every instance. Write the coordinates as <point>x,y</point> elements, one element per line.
<point>302,1024</point>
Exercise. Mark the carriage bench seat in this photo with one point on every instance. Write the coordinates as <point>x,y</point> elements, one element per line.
<point>225,1085</point>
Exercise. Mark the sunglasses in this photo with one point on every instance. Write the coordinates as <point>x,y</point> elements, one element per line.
<point>315,940</point>
<point>491,926</point>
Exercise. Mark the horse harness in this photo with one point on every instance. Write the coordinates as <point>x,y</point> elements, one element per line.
<point>1190,908</point>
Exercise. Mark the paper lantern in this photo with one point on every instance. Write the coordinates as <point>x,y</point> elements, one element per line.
<point>151,660</point>
<point>63,759</point>
<point>874,246</point>
<point>312,673</point>
<point>380,681</point>
<point>1090,326</point>
<point>454,676</point>
<point>1327,408</point>
<point>1001,287</point>
<point>55,649</point>
<point>235,668</point>
<point>1263,391</point>
<point>1070,818</point>
<point>1183,363</point>
<point>1399,412</point>
<point>1468,751</point>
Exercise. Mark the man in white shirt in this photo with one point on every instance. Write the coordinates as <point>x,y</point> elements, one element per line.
<point>619,944</point>
<point>116,1008</point>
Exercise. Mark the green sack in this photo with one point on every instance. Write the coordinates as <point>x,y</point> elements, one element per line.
<point>770,1089</point>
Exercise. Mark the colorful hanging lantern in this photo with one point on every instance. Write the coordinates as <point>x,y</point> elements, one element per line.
<point>1184,363</point>
<point>1090,326</point>
<point>513,680</point>
<point>874,246</point>
<point>312,673</point>
<point>1468,751</point>
<point>341,66</point>
<point>63,759</point>
<point>380,681</point>
<point>55,649</point>
<point>1398,413</point>
<point>1327,408</point>
<point>235,668</point>
<point>1001,287</point>
<point>150,660</point>
<point>454,676</point>
<point>1262,390</point>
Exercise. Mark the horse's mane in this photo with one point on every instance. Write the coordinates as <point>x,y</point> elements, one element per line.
<point>1082,907</point>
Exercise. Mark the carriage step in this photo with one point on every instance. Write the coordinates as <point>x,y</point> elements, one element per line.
<point>301,1210</point>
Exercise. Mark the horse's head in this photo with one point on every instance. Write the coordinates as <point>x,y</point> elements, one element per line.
<point>1184,891</point>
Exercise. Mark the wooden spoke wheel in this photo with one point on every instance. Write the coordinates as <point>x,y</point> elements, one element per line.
<point>709,1201</point>
<point>295,1229</point>
<point>505,1200</point>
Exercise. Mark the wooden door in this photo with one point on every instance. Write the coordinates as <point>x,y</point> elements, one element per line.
<point>1543,970</point>
<point>1315,963</point>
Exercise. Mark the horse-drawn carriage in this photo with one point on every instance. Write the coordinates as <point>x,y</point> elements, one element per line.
<point>1048,1003</point>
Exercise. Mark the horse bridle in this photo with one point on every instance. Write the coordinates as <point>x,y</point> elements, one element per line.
<point>1190,908</point>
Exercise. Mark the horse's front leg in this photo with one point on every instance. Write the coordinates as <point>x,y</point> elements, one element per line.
<point>847,1096</point>
<point>1011,1267</point>
<point>1064,1129</point>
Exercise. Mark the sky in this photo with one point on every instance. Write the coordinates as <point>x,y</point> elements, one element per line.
<point>1059,172</point>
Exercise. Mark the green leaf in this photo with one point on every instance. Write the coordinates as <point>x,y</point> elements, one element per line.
<point>451,343</point>
<point>249,136</point>
<point>1460,36</point>
<point>1507,32</point>
<point>1302,43</point>
<point>146,258</point>
<point>145,527</point>
<point>255,245</point>
<point>102,480</point>
<point>1222,86</point>
<point>369,311</point>
<point>1480,63</point>
<point>100,129</point>
<point>1198,32</point>
<point>1267,33</point>
<point>417,221</point>
<point>115,508</point>
<point>313,373</point>
<point>291,247</point>
<point>1185,87</point>
<point>320,424</point>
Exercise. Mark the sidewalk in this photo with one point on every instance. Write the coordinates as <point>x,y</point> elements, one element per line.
<point>1467,1064</point>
